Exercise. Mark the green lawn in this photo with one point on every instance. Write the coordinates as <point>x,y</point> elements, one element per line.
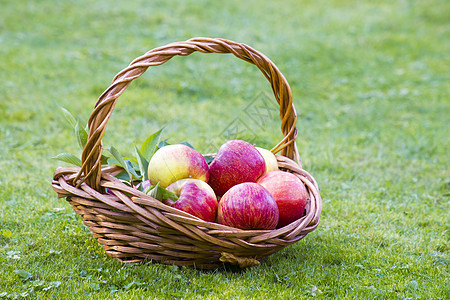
<point>370,81</point>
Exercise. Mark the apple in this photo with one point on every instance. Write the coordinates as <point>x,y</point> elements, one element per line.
<point>174,162</point>
<point>248,206</point>
<point>269,159</point>
<point>289,193</point>
<point>195,197</point>
<point>236,162</point>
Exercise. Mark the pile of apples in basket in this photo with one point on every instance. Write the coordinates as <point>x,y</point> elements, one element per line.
<point>241,186</point>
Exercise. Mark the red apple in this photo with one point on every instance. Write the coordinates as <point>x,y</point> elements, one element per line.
<point>289,193</point>
<point>174,162</point>
<point>248,206</point>
<point>236,162</point>
<point>195,197</point>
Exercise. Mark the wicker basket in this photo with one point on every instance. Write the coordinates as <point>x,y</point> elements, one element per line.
<point>132,226</point>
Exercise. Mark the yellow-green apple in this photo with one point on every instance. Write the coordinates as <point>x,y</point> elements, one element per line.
<point>236,162</point>
<point>269,158</point>
<point>289,193</point>
<point>248,206</point>
<point>195,197</point>
<point>174,162</point>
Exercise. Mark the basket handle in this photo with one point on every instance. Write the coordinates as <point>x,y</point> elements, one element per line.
<point>90,171</point>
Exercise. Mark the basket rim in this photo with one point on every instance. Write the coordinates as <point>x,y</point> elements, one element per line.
<point>65,177</point>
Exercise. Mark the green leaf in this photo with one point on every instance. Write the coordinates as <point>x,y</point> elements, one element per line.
<point>68,158</point>
<point>69,117</point>
<point>160,193</point>
<point>163,143</point>
<point>208,159</point>
<point>149,146</point>
<point>154,191</point>
<point>187,144</point>
<point>104,160</point>
<point>166,194</point>
<point>81,135</point>
<point>123,176</point>
<point>113,161</point>
<point>143,164</point>
<point>120,161</point>
<point>131,170</point>
<point>133,161</point>
<point>125,163</point>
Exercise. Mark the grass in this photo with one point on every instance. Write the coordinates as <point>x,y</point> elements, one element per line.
<point>370,83</point>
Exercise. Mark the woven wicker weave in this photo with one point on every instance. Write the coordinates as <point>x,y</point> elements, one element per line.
<point>132,226</point>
